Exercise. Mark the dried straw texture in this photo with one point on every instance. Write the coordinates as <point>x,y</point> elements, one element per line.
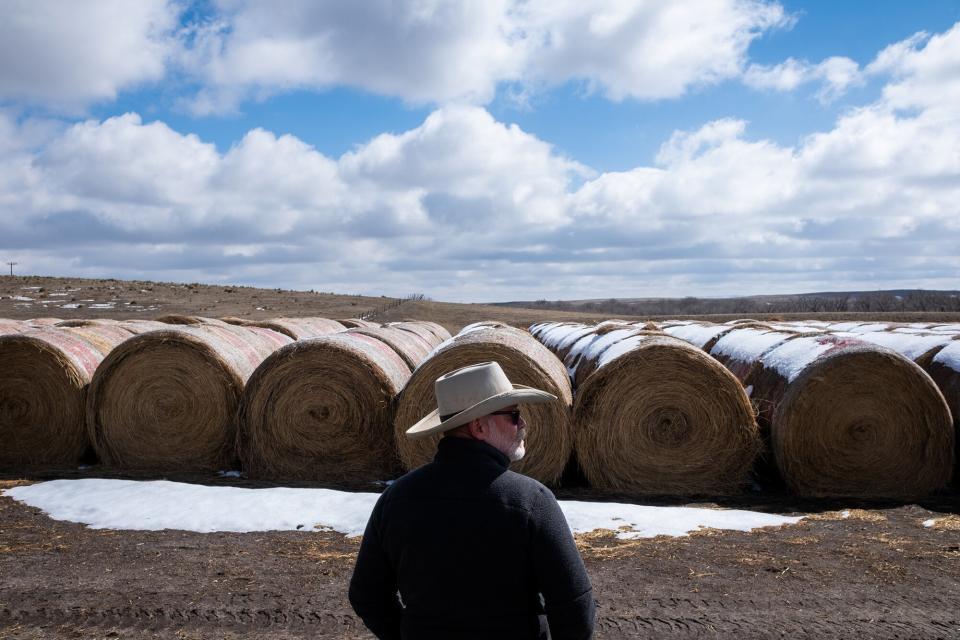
<point>300,328</point>
<point>660,416</point>
<point>944,368</point>
<point>851,419</point>
<point>43,322</point>
<point>103,336</point>
<point>583,355</point>
<point>358,323</point>
<point>408,345</point>
<point>168,399</point>
<point>429,331</point>
<point>740,349</point>
<point>173,318</point>
<point>11,326</point>
<point>322,409</point>
<point>43,381</point>
<point>526,362</point>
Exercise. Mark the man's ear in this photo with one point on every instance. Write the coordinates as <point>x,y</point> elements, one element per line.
<point>477,428</point>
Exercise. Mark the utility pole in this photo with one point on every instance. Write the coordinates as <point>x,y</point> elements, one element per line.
<point>11,267</point>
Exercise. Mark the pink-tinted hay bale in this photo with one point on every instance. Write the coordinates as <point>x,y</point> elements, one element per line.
<point>659,416</point>
<point>429,331</point>
<point>848,418</point>
<point>182,319</point>
<point>358,323</point>
<point>408,345</point>
<point>43,381</point>
<point>322,409</point>
<point>43,322</point>
<point>167,400</point>
<point>526,362</point>
<point>301,328</point>
<point>11,326</point>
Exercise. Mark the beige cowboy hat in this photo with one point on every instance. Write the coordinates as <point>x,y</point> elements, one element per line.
<point>470,393</point>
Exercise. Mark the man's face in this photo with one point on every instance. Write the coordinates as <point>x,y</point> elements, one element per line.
<point>506,436</point>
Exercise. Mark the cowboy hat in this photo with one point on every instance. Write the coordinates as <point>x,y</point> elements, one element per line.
<point>470,393</point>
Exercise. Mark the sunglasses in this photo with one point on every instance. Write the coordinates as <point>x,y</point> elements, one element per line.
<point>514,415</point>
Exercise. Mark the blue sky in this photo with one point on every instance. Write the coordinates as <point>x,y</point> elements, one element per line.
<point>485,151</point>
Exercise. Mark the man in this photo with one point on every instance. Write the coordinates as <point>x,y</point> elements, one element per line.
<point>464,548</point>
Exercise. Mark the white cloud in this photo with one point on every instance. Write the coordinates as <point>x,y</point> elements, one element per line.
<point>835,75</point>
<point>426,51</point>
<point>65,54</point>
<point>466,207</point>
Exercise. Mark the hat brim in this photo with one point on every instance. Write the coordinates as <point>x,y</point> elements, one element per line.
<point>431,424</point>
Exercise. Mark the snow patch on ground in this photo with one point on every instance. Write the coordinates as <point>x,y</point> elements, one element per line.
<point>160,504</point>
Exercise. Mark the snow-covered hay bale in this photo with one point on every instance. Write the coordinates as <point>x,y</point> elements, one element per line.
<point>300,328</point>
<point>739,350</point>
<point>44,374</point>
<point>408,345</point>
<point>559,337</point>
<point>582,355</point>
<point>526,362</point>
<point>43,322</point>
<point>944,368</point>
<point>167,400</point>
<point>849,418</point>
<point>358,323</point>
<point>322,409</point>
<point>660,416</point>
<point>697,334</point>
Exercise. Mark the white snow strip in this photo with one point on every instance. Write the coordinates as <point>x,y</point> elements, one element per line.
<point>72,305</point>
<point>696,334</point>
<point>160,504</point>
<point>747,345</point>
<point>908,345</point>
<point>620,348</point>
<point>21,298</point>
<point>102,305</point>
<point>930,522</point>
<point>793,356</point>
<point>950,355</point>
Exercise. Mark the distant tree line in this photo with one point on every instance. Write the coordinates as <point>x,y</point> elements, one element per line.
<point>879,301</point>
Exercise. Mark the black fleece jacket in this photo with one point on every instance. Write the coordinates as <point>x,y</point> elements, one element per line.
<point>474,551</point>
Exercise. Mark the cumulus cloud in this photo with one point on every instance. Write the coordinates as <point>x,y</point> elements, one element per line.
<point>466,207</point>
<point>442,52</point>
<point>835,75</point>
<point>65,54</point>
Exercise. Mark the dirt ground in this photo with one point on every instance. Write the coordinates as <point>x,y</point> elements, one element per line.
<point>847,570</point>
<point>873,572</point>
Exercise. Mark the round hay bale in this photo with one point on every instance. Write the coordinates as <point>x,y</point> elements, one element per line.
<point>10,326</point>
<point>697,334</point>
<point>358,323</point>
<point>43,380</point>
<point>408,345</point>
<point>434,333</point>
<point>739,350</point>
<point>586,354</point>
<point>709,344</point>
<point>559,337</point>
<point>235,320</point>
<point>583,354</point>
<point>43,322</point>
<point>322,409</point>
<point>300,328</point>
<point>659,416</point>
<point>852,419</point>
<point>103,336</point>
<point>175,318</point>
<point>944,368</point>
<point>525,361</point>
<point>167,400</point>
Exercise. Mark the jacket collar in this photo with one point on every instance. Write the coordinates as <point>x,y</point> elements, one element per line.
<point>466,450</point>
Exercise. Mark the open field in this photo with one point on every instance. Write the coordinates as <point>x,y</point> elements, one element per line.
<point>849,569</point>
